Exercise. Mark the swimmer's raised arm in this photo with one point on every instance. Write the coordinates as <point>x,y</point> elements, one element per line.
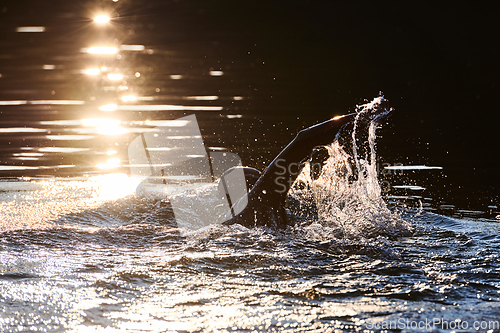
<point>267,197</point>
<point>283,170</point>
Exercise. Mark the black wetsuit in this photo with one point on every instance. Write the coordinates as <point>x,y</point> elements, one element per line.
<point>266,199</point>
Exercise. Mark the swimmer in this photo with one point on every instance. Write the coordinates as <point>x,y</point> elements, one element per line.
<point>266,199</point>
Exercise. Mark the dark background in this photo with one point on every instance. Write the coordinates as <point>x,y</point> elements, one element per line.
<point>298,63</point>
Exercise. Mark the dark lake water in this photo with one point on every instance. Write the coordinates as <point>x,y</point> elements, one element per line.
<point>408,243</point>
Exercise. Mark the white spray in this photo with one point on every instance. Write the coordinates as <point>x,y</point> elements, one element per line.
<point>347,192</point>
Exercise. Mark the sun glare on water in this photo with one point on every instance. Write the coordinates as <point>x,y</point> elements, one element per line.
<point>102,50</point>
<point>114,186</point>
<point>105,126</point>
<point>102,19</point>
<point>93,71</point>
<point>108,107</point>
<point>109,164</point>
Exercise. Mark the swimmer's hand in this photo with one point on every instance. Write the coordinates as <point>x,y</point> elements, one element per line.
<point>375,111</point>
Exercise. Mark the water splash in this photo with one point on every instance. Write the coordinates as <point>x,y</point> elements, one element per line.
<point>347,193</point>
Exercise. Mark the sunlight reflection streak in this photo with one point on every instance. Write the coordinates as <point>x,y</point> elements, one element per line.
<point>101,50</point>
<point>168,108</point>
<point>30,29</point>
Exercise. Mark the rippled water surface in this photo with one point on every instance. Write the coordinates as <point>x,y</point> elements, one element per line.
<point>88,253</point>
<point>374,243</point>
<point>120,264</point>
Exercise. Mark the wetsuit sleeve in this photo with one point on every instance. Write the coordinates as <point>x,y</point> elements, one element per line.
<point>284,169</point>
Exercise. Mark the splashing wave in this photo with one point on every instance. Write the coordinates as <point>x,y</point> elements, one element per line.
<point>347,193</point>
